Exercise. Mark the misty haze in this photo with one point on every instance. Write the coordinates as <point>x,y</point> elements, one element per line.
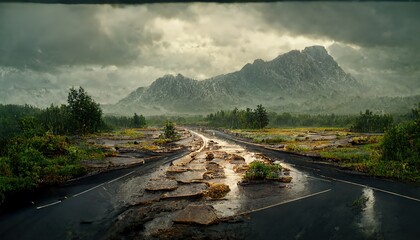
<point>210,121</point>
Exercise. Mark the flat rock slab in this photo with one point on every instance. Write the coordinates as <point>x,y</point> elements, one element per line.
<point>187,177</point>
<point>182,161</point>
<point>202,215</point>
<point>186,191</point>
<point>176,169</point>
<point>161,185</point>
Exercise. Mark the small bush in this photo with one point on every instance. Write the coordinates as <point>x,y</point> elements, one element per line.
<point>402,143</point>
<point>260,171</point>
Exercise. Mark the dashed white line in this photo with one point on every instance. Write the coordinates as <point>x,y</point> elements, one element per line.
<point>118,178</point>
<point>285,202</point>
<point>88,190</point>
<point>47,205</point>
<point>92,188</point>
<point>321,179</point>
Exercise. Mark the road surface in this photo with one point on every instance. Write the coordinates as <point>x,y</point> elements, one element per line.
<point>320,205</point>
<point>391,210</point>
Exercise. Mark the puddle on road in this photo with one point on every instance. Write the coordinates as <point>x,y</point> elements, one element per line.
<point>369,222</point>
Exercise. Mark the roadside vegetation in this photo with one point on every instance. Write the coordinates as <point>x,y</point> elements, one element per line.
<point>373,145</point>
<point>41,147</point>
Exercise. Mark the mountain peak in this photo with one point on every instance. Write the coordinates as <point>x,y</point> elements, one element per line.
<point>295,75</point>
<point>316,51</point>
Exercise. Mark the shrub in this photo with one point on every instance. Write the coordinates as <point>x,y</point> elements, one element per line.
<point>402,143</point>
<point>260,170</point>
<point>169,131</point>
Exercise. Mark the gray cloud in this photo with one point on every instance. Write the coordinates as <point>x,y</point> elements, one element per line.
<point>376,42</point>
<point>365,24</point>
<point>41,37</point>
<point>111,50</point>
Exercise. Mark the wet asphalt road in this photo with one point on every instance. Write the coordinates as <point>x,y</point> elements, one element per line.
<point>391,211</point>
<point>322,209</point>
<point>82,209</point>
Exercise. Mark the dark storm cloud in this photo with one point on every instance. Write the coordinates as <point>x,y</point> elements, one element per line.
<point>365,24</point>
<point>376,42</point>
<point>113,49</point>
<point>39,37</point>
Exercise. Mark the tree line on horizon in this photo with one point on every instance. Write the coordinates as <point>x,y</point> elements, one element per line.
<point>249,118</point>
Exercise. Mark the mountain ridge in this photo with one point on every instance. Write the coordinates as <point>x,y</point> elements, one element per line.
<point>295,76</point>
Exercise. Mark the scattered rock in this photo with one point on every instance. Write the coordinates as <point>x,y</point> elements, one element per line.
<point>202,215</point>
<point>283,179</point>
<point>240,168</point>
<point>176,169</point>
<point>214,170</point>
<point>187,177</point>
<point>236,159</point>
<point>210,156</point>
<point>161,185</point>
<point>217,190</point>
<point>187,191</point>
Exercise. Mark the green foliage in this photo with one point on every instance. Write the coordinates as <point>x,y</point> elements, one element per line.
<point>138,121</point>
<point>85,113</point>
<point>57,119</point>
<point>369,122</point>
<point>347,154</point>
<point>29,161</point>
<point>195,120</point>
<point>169,131</point>
<point>260,171</point>
<point>10,120</point>
<point>306,120</point>
<point>251,119</point>
<point>402,143</point>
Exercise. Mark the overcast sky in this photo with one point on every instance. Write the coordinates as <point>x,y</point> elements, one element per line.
<point>112,50</point>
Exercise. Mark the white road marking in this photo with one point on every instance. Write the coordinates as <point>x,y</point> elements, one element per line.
<point>321,179</point>
<point>47,205</point>
<point>285,202</point>
<point>377,189</point>
<point>204,141</point>
<point>100,185</point>
<point>118,178</point>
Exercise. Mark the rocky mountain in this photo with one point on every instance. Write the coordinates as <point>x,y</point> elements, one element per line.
<point>296,77</point>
